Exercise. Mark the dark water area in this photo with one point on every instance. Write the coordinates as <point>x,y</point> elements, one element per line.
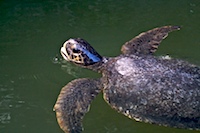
<point>32,71</point>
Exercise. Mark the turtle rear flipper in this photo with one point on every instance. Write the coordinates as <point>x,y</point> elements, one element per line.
<point>73,103</point>
<point>147,42</point>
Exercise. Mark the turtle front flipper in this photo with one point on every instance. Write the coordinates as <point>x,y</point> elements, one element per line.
<point>73,103</point>
<point>147,42</point>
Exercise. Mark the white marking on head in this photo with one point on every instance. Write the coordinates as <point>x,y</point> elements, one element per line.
<point>64,53</point>
<point>63,50</point>
<point>72,41</point>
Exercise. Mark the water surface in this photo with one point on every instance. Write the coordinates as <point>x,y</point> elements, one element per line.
<point>32,71</point>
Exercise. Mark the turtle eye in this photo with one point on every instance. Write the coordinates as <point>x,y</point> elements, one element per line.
<point>75,51</point>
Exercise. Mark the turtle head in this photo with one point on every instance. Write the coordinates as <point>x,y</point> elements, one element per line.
<point>79,52</point>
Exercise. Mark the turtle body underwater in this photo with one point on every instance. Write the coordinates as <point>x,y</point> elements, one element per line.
<point>143,87</point>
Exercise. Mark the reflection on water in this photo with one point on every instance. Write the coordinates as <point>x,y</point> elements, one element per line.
<point>5,104</point>
<point>8,101</point>
<point>32,32</point>
<point>67,67</point>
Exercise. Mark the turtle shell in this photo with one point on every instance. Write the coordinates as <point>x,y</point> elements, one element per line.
<point>155,90</point>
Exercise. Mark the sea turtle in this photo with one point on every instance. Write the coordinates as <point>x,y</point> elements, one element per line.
<point>143,87</point>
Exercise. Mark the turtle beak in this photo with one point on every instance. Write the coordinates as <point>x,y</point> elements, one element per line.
<point>64,53</point>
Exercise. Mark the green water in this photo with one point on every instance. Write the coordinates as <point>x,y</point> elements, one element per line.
<point>32,72</point>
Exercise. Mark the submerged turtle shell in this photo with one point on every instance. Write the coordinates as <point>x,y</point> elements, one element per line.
<point>156,90</point>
